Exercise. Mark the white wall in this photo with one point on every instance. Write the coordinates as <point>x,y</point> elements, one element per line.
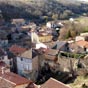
<point>48,25</point>
<point>6,60</point>
<point>84,34</point>
<point>25,64</point>
<point>86,50</point>
<point>78,38</point>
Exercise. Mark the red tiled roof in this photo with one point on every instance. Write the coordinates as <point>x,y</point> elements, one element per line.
<point>14,78</point>
<point>52,83</point>
<point>82,43</point>
<point>15,49</point>
<point>5,84</point>
<point>86,46</point>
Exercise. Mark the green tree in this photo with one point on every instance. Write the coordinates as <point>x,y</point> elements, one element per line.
<point>73,33</point>
<point>45,18</point>
<point>68,35</point>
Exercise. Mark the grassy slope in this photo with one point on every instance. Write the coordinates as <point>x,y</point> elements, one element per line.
<point>79,81</point>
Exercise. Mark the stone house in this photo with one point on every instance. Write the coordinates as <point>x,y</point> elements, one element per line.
<point>24,63</point>
<point>27,65</point>
<point>4,57</point>
<point>45,38</point>
<point>61,46</point>
<point>50,57</point>
<point>67,64</point>
<point>13,52</point>
<point>57,63</point>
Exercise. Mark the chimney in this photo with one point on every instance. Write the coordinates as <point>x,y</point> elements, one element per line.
<point>3,70</point>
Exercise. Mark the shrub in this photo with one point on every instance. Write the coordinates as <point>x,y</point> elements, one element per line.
<point>72,55</point>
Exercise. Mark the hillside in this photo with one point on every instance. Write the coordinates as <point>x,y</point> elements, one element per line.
<point>78,83</point>
<point>42,9</point>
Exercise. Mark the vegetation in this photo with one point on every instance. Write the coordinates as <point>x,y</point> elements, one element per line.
<point>71,30</point>
<point>37,9</point>
<point>80,82</point>
<point>46,72</point>
<point>85,29</point>
<point>72,55</point>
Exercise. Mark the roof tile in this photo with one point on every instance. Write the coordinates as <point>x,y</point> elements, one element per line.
<point>53,83</point>
<point>15,49</point>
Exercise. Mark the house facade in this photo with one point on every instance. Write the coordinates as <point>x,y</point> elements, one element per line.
<point>46,38</point>
<point>4,57</point>
<point>27,66</point>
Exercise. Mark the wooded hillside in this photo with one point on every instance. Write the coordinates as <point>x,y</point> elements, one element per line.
<point>42,9</point>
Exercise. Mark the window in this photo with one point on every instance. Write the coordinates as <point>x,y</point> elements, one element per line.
<point>28,67</point>
<point>21,59</point>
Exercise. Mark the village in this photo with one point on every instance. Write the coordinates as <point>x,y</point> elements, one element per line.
<point>52,63</point>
